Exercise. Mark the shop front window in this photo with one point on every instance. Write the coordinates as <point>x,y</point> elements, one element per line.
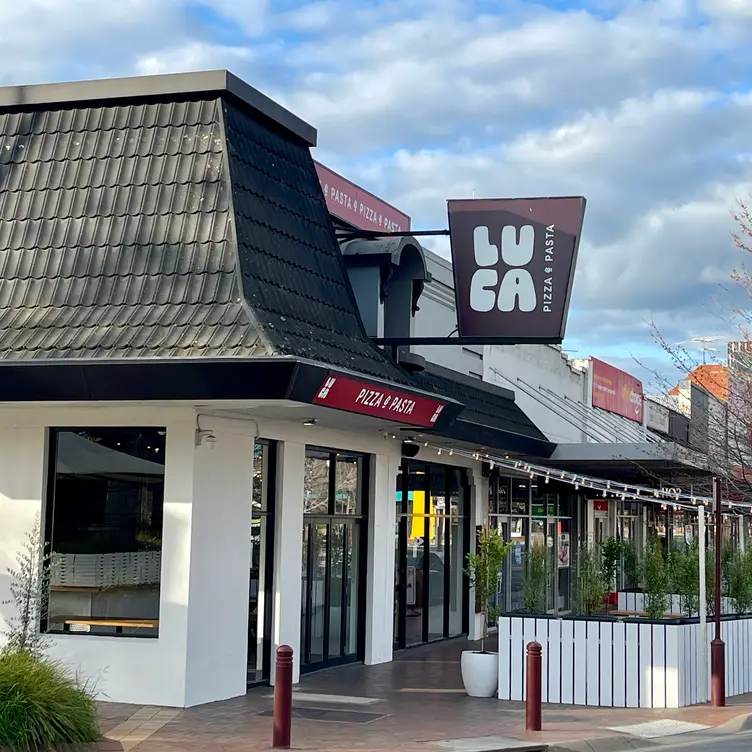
<point>538,512</point>
<point>103,530</point>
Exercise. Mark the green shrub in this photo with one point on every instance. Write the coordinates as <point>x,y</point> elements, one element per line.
<point>656,580</point>
<point>591,581</point>
<point>611,550</point>
<point>739,578</point>
<point>536,581</point>
<point>42,706</point>
<point>684,575</point>
<point>484,574</point>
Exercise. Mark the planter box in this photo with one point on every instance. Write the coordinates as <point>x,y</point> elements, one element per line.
<point>636,602</point>
<point>621,664</point>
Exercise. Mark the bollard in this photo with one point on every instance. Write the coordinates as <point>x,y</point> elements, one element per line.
<point>718,673</point>
<point>283,699</point>
<point>533,712</point>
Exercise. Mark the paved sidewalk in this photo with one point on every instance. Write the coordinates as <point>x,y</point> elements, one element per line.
<point>414,703</point>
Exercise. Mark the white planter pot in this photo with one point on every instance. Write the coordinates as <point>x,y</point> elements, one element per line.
<point>480,673</point>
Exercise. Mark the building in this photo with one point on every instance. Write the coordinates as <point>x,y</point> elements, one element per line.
<point>193,409</point>
<point>192,404</point>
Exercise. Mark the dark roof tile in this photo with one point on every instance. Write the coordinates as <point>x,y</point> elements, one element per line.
<point>127,230</point>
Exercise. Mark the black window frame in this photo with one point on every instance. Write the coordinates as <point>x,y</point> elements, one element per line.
<point>47,528</point>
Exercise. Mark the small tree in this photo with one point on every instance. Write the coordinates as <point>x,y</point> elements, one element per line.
<point>484,573</point>
<point>611,550</point>
<point>740,581</point>
<point>684,575</point>
<point>29,594</point>
<point>655,578</point>
<point>534,588</point>
<point>591,581</point>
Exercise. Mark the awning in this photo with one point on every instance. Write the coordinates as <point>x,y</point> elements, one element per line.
<point>216,379</point>
<point>490,417</point>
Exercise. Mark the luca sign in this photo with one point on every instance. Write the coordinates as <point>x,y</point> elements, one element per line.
<point>514,262</point>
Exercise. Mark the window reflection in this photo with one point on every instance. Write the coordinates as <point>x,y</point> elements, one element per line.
<point>104,530</point>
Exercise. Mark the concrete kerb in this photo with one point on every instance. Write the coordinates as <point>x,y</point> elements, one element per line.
<point>740,724</point>
<point>613,743</point>
<point>737,724</point>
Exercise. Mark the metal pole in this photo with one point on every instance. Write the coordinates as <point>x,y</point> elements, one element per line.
<point>717,648</point>
<point>282,731</point>
<point>533,710</point>
<point>703,601</point>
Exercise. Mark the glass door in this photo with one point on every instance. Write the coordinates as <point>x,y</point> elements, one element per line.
<point>332,566</point>
<point>430,546</point>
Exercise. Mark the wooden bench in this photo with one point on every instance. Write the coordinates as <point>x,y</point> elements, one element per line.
<point>117,624</point>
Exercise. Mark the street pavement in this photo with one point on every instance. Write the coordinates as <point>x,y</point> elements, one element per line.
<point>413,704</point>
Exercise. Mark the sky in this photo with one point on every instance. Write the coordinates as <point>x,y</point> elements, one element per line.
<point>644,107</point>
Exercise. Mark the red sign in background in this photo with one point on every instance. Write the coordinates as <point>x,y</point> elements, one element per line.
<point>357,206</point>
<point>355,396</point>
<point>616,391</point>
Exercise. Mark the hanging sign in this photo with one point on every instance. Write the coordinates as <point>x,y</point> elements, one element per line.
<point>514,262</point>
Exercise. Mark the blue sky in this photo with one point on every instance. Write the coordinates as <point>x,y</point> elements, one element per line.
<point>643,106</point>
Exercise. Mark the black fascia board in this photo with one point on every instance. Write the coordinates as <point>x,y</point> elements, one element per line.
<point>180,379</point>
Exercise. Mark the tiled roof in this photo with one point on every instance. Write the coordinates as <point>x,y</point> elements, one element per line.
<point>191,226</point>
<point>714,378</point>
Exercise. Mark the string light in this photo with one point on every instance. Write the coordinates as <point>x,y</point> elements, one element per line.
<point>619,490</point>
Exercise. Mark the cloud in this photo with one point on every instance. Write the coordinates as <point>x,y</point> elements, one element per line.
<point>643,106</point>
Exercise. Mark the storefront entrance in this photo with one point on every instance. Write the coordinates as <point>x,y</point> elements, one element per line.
<point>333,565</point>
<point>431,542</point>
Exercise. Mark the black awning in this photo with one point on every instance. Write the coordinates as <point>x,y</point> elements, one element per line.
<point>490,416</point>
<point>210,379</point>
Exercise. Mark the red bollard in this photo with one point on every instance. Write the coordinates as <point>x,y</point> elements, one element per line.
<point>283,699</point>
<point>533,711</point>
<point>718,673</point>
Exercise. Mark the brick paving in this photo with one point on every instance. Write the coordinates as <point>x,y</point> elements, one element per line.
<point>417,702</point>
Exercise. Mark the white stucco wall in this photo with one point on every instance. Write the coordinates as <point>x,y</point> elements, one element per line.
<point>530,370</point>
<point>201,652</point>
<point>125,670</point>
<point>437,318</point>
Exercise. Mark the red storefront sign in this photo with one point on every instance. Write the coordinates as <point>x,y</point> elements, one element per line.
<point>616,391</point>
<point>351,395</point>
<point>357,206</point>
<point>600,505</point>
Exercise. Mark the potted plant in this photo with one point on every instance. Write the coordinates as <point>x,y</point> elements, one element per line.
<point>480,668</point>
<point>611,551</point>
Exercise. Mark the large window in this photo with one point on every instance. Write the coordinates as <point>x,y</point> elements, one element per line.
<point>526,512</point>
<point>103,530</point>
